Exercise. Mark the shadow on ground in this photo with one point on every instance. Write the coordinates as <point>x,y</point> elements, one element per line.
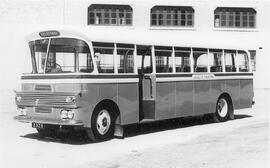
<point>79,137</point>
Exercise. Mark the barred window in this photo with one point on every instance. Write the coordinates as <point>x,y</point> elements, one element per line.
<point>179,16</point>
<point>100,14</point>
<point>163,59</point>
<point>182,61</point>
<point>235,17</point>
<point>125,58</point>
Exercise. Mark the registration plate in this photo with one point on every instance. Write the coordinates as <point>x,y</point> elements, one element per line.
<point>37,125</point>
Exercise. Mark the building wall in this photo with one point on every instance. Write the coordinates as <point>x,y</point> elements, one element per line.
<point>20,17</point>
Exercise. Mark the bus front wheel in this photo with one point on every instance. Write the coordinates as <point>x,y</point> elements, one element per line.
<point>224,110</point>
<point>102,125</point>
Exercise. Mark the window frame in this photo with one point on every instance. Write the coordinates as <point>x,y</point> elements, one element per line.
<point>124,46</point>
<point>164,49</point>
<point>233,60</point>
<point>229,17</point>
<point>175,13</point>
<point>107,46</point>
<point>110,10</point>
<point>203,51</point>
<point>183,49</point>
<point>246,54</point>
<point>216,51</point>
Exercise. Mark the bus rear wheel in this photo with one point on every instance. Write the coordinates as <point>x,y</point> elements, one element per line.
<point>102,125</point>
<point>224,110</point>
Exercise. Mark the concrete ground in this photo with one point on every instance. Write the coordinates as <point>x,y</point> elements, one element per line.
<point>192,142</point>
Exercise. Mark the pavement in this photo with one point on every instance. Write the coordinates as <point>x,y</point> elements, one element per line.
<point>188,143</point>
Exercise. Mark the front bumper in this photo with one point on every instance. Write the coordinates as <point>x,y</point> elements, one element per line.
<point>29,119</point>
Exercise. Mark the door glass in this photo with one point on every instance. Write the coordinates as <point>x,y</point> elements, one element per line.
<point>147,60</point>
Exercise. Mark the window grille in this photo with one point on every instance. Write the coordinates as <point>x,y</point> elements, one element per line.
<point>100,14</point>
<point>235,17</point>
<point>175,16</point>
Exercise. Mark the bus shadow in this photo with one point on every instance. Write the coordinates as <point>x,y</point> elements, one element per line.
<point>79,137</point>
<point>171,124</point>
<point>67,137</point>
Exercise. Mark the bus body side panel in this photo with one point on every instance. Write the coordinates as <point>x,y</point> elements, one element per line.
<point>202,97</point>
<point>233,89</point>
<point>246,93</point>
<point>95,93</point>
<point>165,100</point>
<point>217,88</point>
<point>128,103</point>
<point>184,98</point>
<point>90,97</point>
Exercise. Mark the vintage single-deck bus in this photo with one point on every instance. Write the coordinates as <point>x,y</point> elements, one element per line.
<point>92,83</point>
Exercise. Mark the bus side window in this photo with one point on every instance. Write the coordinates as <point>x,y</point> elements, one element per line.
<point>242,59</point>
<point>215,59</point>
<point>103,55</point>
<point>182,61</point>
<point>148,66</point>
<point>229,62</point>
<point>125,58</point>
<point>200,58</point>
<point>163,59</point>
<point>85,63</point>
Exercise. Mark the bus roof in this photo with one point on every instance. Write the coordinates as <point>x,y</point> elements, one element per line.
<point>159,37</point>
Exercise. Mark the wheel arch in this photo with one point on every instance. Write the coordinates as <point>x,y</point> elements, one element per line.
<point>110,105</point>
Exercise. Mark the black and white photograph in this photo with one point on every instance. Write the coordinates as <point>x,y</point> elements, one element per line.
<point>134,83</point>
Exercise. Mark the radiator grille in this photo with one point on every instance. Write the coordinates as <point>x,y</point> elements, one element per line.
<point>43,110</point>
<point>43,88</point>
<point>45,99</point>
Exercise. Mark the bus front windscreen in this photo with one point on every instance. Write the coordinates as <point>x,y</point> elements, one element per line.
<point>60,55</point>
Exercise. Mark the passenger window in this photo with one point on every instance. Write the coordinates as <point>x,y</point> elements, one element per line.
<point>85,63</point>
<point>200,58</point>
<point>182,60</point>
<point>229,61</point>
<point>163,59</point>
<point>242,59</point>
<point>147,64</point>
<point>103,55</point>
<point>125,58</point>
<point>215,58</point>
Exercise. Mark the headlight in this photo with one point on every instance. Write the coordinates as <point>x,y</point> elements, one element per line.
<point>70,99</point>
<point>18,98</point>
<point>22,111</point>
<point>67,114</point>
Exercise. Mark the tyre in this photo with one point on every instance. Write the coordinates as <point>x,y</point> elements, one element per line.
<point>102,125</point>
<point>48,131</point>
<point>224,110</point>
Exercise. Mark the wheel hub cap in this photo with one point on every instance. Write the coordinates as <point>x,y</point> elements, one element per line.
<point>103,122</point>
<point>222,107</point>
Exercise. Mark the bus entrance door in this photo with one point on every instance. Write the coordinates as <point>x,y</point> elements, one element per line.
<point>147,85</point>
<point>148,96</point>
